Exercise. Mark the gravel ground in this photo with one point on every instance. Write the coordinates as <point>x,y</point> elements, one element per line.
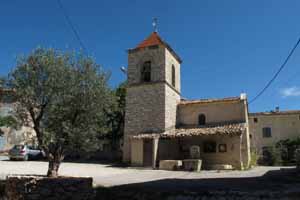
<point>107,175</point>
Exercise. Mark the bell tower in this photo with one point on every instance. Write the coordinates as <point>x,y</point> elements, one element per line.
<point>153,90</point>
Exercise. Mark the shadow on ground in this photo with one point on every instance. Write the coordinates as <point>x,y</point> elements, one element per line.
<point>276,182</point>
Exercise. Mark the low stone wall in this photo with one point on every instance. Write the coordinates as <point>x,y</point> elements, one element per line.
<point>2,190</point>
<point>36,188</point>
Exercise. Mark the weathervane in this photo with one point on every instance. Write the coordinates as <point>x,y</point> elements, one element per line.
<point>154,24</point>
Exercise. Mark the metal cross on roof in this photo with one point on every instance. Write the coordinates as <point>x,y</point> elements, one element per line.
<point>154,24</point>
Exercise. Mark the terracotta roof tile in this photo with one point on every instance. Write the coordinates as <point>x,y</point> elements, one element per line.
<point>225,129</point>
<point>152,40</point>
<point>155,39</point>
<point>284,112</point>
<point>199,101</point>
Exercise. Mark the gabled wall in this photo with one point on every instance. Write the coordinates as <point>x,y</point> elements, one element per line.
<point>215,112</point>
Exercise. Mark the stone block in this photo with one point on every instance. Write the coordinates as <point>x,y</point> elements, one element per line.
<point>220,167</point>
<point>170,164</point>
<point>192,165</point>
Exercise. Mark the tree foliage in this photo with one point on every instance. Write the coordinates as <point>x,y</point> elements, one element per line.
<point>116,116</point>
<point>287,149</point>
<point>8,121</point>
<point>65,96</point>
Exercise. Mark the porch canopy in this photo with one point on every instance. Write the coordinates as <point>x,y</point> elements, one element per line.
<point>230,130</point>
<point>234,129</point>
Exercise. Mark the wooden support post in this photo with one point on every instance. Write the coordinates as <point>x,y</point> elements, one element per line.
<point>154,152</point>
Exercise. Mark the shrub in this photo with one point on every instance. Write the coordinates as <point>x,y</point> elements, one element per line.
<point>272,156</point>
<point>254,158</point>
<point>288,149</point>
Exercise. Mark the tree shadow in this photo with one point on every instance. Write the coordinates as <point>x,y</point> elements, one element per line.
<point>274,180</point>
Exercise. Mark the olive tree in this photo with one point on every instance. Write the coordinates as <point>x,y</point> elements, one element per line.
<point>64,97</point>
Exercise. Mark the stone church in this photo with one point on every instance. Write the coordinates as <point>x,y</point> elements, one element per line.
<point>160,125</point>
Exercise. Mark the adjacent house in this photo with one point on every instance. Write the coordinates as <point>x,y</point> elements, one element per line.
<point>160,125</point>
<point>10,136</point>
<point>268,128</point>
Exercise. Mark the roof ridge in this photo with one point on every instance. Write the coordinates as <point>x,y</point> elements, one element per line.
<point>208,100</point>
<point>276,112</point>
<point>151,40</point>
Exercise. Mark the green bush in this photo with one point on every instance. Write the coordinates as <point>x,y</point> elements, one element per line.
<point>272,156</point>
<point>288,149</point>
<point>8,121</point>
<point>254,158</point>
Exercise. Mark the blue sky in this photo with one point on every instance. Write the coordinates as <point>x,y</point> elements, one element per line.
<point>227,47</point>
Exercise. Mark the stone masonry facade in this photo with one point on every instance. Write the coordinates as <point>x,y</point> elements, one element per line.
<point>154,107</point>
<point>150,107</point>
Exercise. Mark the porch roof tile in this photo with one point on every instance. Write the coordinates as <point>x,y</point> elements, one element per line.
<point>235,129</point>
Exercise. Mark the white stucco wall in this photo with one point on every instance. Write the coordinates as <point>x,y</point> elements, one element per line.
<point>283,126</point>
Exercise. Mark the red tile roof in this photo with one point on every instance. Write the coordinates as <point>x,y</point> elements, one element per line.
<point>284,112</point>
<point>235,129</point>
<point>152,40</point>
<point>200,101</point>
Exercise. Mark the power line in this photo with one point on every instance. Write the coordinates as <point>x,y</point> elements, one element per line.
<point>277,73</point>
<point>72,26</point>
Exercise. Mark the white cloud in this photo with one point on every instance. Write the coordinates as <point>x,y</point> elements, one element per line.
<point>290,92</point>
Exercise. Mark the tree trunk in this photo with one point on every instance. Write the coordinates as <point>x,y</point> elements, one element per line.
<point>54,164</point>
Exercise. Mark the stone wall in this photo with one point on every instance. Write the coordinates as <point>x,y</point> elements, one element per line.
<point>231,156</point>
<point>2,190</point>
<point>172,98</point>
<point>11,136</point>
<point>36,188</point>
<point>138,57</point>
<point>145,106</point>
<point>150,107</point>
<point>171,60</point>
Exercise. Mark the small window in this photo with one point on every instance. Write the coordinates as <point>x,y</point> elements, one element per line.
<point>173,76</point>
<point>201,120</point>
<point>146,72</point>
<point>222,148</point>
<point>255,120</point>
<point>267,132</point>
<point>210,147</point>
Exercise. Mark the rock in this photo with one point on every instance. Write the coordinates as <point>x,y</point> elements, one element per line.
<point>170,164</point>
<point>192,165</point>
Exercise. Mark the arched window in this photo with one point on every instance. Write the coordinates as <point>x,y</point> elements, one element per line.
<point>173,75</point>
<point>146,72</point>
<point>201,120</point>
